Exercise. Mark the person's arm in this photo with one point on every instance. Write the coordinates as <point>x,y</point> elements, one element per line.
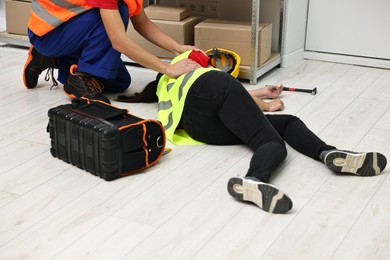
<point>270,106</point>
<point>122,42</point>
<point>144,26</point>
<point>268,91</point>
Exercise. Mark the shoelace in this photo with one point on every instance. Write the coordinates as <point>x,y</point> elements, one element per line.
<point>94,85</point>
<point>50,74</point>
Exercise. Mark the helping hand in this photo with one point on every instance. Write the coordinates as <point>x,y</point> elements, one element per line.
<point>183,48</point>
<point>181,67</point>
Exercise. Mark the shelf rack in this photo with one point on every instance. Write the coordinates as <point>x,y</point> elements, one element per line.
<point>14,39</point>
<point>252,73</point>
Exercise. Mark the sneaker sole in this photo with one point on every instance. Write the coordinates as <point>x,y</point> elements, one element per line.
<point>71,96</point>
<point>29,58</point>
<point>361,164</point>
<point>265,196</point>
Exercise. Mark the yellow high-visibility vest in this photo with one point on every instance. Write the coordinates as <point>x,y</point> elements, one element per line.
<point>172,93</point>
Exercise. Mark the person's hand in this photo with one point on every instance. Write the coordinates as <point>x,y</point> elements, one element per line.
<point>273,91</point>
<point>275,105</point>
<point>181,67</point>
<point>183,48</point>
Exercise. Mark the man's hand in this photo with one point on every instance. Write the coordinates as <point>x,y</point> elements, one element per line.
<point>183,48</point>
<point>181,67</point>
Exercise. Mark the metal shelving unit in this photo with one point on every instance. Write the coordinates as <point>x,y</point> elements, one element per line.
<point>14,39</point>
<point>252,72</point>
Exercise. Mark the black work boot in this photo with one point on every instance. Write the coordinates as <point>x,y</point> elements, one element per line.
<point>35,64</point>
<point>81,84</point>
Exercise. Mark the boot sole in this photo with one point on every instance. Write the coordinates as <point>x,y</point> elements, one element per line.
<point>29,58</point>
<point>265,196</point>
<point>361,164</point>
<point>71,96</point>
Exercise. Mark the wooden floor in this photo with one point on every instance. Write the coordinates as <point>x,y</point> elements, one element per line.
<point>180,209</point>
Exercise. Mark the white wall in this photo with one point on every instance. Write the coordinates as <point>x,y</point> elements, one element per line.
<point>293,46</point>
<point>349,29</point>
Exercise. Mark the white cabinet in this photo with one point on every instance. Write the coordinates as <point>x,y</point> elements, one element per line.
<point>353,28</point>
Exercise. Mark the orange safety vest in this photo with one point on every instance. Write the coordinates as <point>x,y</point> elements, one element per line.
<point>47,15</point>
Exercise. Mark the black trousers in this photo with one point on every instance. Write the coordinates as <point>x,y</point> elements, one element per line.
<point>219,110</point>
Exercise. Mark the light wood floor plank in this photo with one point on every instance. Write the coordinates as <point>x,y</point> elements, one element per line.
<point>368,238</point>
<point>352,124</point>
<point>191,230</point>
<point>384,122</point>
<point>6,197</point>
<point>31,208</point>
<point>20,128</point>
<point>75,219</point>
<point>32,174</point>
<point>379,88</point>
<point>111,239</point>
<point>322,78</point>
<point>326,219</point>
<point>18,153</point>
<point>333,99</point>
<point>180,209</point>
<point>181,185</point>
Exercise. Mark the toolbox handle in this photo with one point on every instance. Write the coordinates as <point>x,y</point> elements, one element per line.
<point>98,109</point>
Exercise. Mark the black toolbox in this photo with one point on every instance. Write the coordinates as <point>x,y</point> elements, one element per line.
<point>106,141</point>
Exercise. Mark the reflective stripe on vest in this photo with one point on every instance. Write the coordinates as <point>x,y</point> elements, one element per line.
<point>172,93</point>
<point>47,15</point>
<point>163,105</point>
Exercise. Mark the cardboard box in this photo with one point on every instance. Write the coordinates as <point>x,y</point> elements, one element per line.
<point>180,31</point>
<point>17,14</point>
<point>167,13</point>
<point>234,36</point>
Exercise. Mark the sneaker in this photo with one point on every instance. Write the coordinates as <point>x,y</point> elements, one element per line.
<point>264,195</point>
<point>361,164</point>
<point>35,64</point>
<point>80,84</point>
